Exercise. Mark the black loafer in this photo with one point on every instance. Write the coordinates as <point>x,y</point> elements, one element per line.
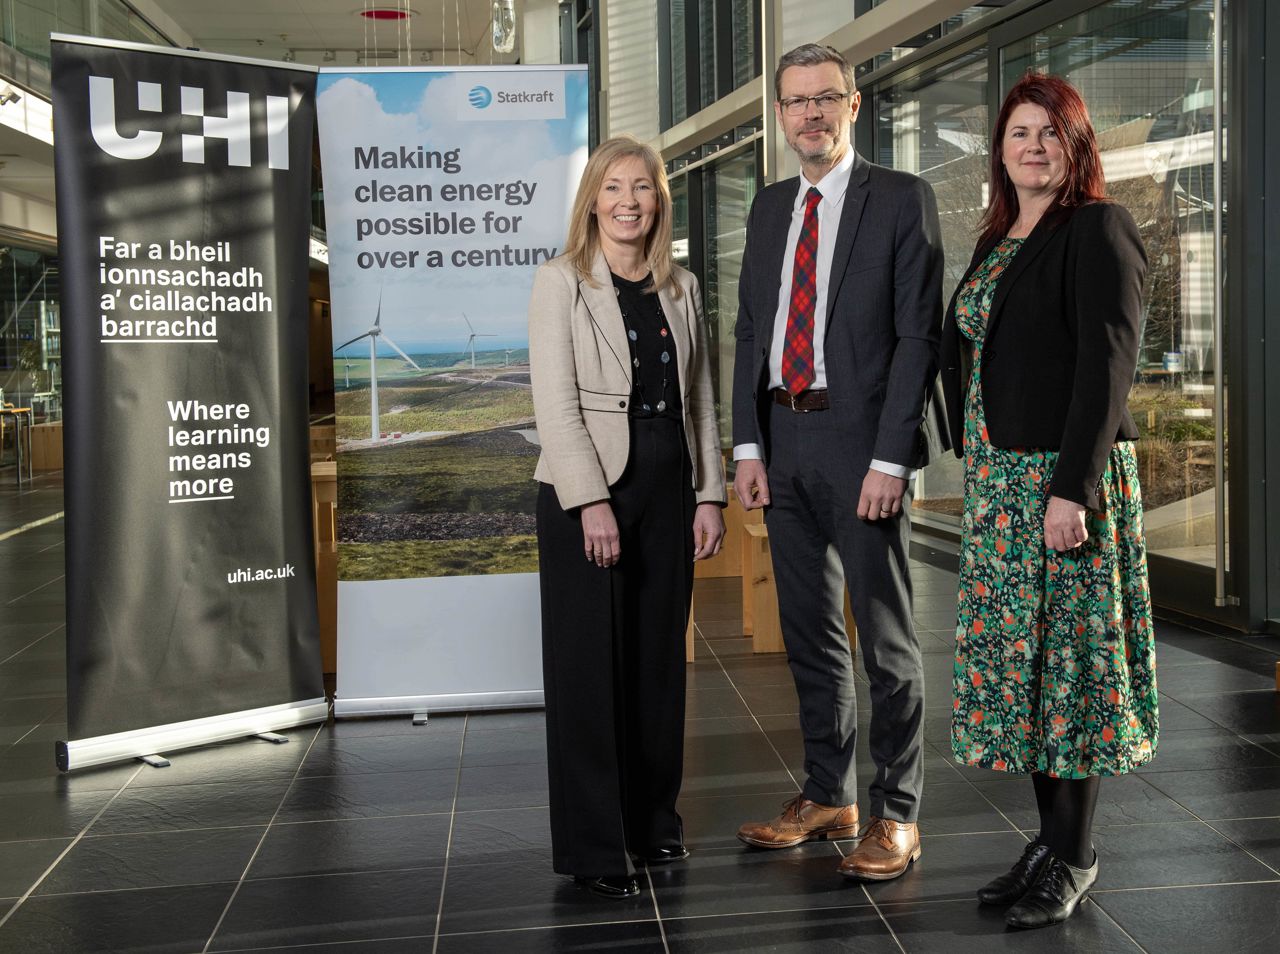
<point>1054,897</point>
<point>1012,885</point>
<point>664,856</point>
<point>614,887</point>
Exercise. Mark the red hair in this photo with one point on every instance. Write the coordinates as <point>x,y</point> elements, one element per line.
<point>1083,183</point>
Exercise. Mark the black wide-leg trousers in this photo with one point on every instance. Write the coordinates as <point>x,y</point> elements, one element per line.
<point>613,661</point>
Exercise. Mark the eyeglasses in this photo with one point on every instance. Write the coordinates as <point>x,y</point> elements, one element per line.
<point>799,105</point>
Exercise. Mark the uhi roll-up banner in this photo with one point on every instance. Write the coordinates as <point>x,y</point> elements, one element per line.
<point>183,222</point>
<point>445,189</point>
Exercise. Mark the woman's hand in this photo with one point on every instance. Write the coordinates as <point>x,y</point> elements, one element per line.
<point>708,531</point>
<point>600,534</point>
<point>1064,527</point>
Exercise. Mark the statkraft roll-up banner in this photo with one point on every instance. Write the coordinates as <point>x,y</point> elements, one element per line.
<point>444,190</point>
<point>183,186</point>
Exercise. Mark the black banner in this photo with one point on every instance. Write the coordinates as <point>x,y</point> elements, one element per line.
<point>183,189</point>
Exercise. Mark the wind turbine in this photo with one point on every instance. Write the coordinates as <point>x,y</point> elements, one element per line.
<point>373,334</point>
<point>507,363</point>
<point>347,386</point>
<point>471,341</point>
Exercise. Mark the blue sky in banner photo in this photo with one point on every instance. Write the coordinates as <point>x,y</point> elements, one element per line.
<point>422,306</point>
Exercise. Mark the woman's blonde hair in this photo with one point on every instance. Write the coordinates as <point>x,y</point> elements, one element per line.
<point>584,232</point>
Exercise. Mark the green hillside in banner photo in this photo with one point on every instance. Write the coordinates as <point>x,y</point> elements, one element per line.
<point>448,487</point>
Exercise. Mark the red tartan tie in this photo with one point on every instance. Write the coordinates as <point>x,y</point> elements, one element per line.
<point>797,348</point>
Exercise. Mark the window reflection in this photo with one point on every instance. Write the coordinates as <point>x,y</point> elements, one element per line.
<point>1146,71</point>
<point>935,125</point>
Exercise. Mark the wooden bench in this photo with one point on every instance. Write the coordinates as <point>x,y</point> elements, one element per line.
<point>760,595</point>
<point>45,446</point>
<point>324,441</point>
<point>324,522</point>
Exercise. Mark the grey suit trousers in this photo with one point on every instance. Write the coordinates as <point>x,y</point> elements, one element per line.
<point>818,543</point>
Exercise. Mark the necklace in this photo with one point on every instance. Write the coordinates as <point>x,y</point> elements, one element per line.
<point>643,408</point>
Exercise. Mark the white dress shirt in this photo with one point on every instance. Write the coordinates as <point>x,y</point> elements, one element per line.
<point>833,187</point>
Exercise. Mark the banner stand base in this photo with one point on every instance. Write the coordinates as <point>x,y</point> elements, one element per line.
<point>145,743</point>
<point>419,706</point>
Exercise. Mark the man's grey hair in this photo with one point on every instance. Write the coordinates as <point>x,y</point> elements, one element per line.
<point>813,54</point>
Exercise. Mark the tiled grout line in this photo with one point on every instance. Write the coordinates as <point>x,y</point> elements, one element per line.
<point>884,920</point>
<point>1119,927</point>
<point>754,718</point>
<point>657,913</point>
<point>258,847</point>
<point>535,927</point>
<point>30,644</point>
<point>67,850</point>
<point>448,844</point>
<point>1181,887</point>
<point>9,534</point>
<point>37,589</point>
<point>1209,825</point>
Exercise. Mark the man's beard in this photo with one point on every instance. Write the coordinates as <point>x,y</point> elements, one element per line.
<point>823,153</point>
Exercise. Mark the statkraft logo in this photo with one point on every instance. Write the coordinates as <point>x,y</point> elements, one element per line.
<point>480,96</point>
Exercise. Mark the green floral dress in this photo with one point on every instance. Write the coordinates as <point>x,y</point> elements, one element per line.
<point>1055,652</point>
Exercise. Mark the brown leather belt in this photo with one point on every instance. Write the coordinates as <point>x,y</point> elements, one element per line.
<point>802,403</point>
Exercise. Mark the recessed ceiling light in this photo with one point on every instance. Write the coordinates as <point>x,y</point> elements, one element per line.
<point>386,13</point>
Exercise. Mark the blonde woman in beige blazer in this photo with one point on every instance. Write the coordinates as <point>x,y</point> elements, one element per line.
<point>630,496</point>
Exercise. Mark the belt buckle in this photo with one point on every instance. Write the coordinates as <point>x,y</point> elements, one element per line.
<point>794,407</point>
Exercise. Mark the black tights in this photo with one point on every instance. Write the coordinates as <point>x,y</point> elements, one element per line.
<point>1066,816</point>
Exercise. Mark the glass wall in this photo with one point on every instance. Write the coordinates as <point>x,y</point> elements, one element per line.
<point>30,332</point>
<point>933,121</point>
<point>707,49</point>
<point>25,25</point>
<point>1145,67</point>
<point>1146,71</point>
<point>730,187</point>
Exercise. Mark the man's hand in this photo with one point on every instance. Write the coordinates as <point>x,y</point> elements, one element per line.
<point>881,496</point>
<point>751,484</point>
<point>708,531</point>
<point>1064,527</point>
<point>600,534</point>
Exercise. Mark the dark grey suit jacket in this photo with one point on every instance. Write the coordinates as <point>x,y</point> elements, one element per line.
<point>883,320</point>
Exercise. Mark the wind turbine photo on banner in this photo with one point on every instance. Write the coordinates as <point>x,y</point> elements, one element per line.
<point>373,334</point>
<point>471,341</point>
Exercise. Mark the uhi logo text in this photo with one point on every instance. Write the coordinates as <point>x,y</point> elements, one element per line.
<point>235,128</point>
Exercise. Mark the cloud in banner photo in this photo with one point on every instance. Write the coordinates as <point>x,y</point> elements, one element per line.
<point>442,196</point>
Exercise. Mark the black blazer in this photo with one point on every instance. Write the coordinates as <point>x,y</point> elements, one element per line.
<point>1061,345</point>
<point>884,316</point>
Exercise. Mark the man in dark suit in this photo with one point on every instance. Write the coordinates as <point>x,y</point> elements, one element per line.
<point>835,406</point>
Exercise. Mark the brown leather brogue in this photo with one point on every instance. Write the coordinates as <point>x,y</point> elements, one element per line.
<point>801,820</point>
<point>884,851</point>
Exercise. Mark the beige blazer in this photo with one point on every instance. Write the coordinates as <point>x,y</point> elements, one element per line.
<point>581,373</point>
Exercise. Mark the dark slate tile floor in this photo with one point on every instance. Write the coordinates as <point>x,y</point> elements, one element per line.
<point>378,836</point>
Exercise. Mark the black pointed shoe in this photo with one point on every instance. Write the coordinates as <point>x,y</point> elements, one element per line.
<point>1054,896</point>
<point>1012,885</point>
<point>614,887</point>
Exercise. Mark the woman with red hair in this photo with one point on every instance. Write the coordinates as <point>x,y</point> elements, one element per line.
<point>1055,652</point>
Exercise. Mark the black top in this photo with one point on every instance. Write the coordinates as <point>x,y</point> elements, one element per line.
<point>1061,346</point>
<point>650,339</point>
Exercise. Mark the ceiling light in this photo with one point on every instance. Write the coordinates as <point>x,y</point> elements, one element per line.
<point>330,56</point>
<point>9,95</point>
<point>386,13</point>
<point>289,56</point>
